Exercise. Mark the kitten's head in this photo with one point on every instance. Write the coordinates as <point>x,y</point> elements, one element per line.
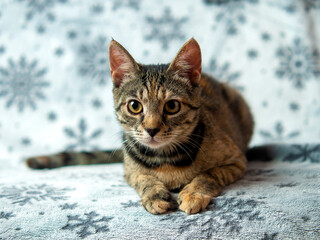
<point>157,105</point>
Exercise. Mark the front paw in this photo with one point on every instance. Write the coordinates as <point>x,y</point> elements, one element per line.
<point>159,202</point>
<point>193,202</point>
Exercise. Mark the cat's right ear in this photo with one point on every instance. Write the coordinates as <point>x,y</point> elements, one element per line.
<point>122,64</point>
<point>187,63</point>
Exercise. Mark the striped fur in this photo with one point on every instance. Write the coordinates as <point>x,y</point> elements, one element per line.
<point>197,146</point>
<point>75,158</point>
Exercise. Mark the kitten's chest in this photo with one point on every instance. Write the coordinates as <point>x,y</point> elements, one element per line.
<point>174,177</point>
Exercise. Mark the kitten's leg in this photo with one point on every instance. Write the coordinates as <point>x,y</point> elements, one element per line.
<point>195,196</point>
<point>155,197</point>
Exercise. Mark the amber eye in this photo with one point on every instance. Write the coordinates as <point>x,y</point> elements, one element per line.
<point>134,107</point>
<point>172,107</point>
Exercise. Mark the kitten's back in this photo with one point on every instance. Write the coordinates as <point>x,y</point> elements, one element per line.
<point>228,110</point>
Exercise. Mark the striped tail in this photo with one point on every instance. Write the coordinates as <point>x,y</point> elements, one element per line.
<point>75,158</point>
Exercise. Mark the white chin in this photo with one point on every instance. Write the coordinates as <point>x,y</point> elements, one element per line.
<point>154,143</point>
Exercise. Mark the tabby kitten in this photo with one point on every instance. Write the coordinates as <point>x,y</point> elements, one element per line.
<point>183,130</point>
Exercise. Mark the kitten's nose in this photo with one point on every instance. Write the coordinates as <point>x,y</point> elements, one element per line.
<point>152,131</point>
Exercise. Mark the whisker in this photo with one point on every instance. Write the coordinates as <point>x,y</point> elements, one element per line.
<point>131,144</point>
<point>188,139</point>
<point>175,148</point>
<point>182,146</point>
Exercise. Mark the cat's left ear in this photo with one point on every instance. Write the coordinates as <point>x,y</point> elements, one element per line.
<point>187,63</point>
<point>122,64</point>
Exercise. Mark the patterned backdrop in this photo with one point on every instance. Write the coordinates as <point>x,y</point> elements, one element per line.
<point>55,86</point>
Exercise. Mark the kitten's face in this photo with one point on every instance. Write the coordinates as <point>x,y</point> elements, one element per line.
<point>157,105</point>
<point>155,109</point>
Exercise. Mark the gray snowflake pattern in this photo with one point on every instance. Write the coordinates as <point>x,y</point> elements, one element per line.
<point>303,153</point>
<point>286,185</point>
<point>59,51</point>
<point>311,4</point>
<point>72,34</point>
<point>52,116</point>
<point>279,133</point>
<point>2,49</point>
<point>68,206</point>
<point>298,63</point>
<point>221,2</point>
<point>87,225</point>
<point>28,194</point>
<point>97,9</point>
<point>257,175</point>
<point>265,37</point>
<point>94,61</point>
<point>223,73</point>
<point>134,4</point>
<point>26,141</point>
<point>96,103</point>
<point>41,29</point>
<point>293,106</point>
<point>6,215</point>
<point>252,54</point>
<point>231,14</point>
<point>166,28</point>
<point>22,83</point>
<point>82,140</point>
<point>40,6</point>
<point>292,7</point>
<point>131,204</point>
<point>288,6</point>
<point>225,213</point>
<point>269,236</point>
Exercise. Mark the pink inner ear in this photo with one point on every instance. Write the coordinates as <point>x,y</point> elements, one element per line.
<point>121,63</point>
<point>193,58</point>
<point>188,62</point>
<point>116,60</point>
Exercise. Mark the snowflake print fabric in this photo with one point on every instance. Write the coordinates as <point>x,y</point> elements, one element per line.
<point>81,140</point>
<point>30,194</point>
<point>88,222</point>
<point>298,63</point>
<point>21,83</point>
<point>165,28</point>
<point>95,203</point>
<point>59,79</point>
<point>94,64</point>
